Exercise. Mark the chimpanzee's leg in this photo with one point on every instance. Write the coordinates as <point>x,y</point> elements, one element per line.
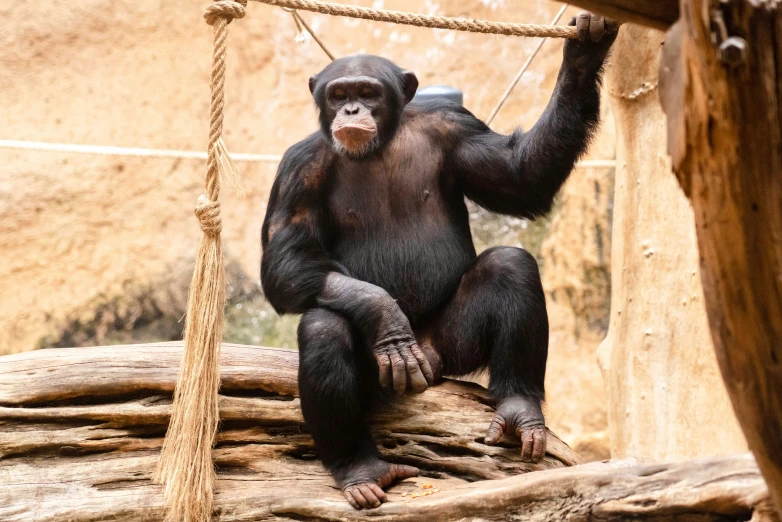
<point>337,382</point>
<point>498,319</point>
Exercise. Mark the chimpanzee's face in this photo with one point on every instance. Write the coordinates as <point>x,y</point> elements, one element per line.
<point>356,106</point>
<point>361,99</point>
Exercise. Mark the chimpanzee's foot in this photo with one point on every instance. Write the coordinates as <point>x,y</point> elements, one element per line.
<point>364,481</point>
<point>522,417</point>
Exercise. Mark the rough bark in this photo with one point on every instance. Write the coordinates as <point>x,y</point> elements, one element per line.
<point>659,341</point>
<point>80,432</point>
<point>659,14</point>
<point>725,138</point>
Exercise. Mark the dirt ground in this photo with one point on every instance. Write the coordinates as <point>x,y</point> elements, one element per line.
<point>97,249</point>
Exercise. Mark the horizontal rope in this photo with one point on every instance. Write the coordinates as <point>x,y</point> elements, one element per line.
<point>102,150</point>
<point>437,22</point>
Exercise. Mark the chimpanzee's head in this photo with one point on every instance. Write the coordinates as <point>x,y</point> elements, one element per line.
<point>360,99</point>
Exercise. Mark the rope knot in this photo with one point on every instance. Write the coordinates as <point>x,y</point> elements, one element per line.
<point>208,214</point>
<point>228,9</point>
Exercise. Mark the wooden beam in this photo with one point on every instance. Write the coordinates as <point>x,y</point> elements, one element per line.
<point>725,139</point>
<point>659,14</point>
<point>81,429</point>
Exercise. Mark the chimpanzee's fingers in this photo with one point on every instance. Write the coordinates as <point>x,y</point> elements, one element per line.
<point>416,378</point>
<point>539,444</point>
<point>582,25</point>
<point>612,26</point>
<point>597,27</point>
<point>496,428</point>
<point>423,362</point>
<point>527,443</point>
<point>399,371</point>
<point>384,367</point>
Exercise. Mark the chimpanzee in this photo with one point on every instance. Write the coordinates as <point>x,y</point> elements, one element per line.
<point>367,235</point>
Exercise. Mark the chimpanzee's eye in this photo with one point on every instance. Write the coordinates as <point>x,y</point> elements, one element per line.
<point>367,92</point>
<point>339,94</point>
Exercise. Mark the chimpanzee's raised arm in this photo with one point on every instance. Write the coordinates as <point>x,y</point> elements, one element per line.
<point>520,174</point>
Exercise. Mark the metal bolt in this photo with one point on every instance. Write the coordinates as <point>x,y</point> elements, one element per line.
<point>733,51</point>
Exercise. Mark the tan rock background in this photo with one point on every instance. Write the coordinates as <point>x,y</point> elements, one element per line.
<point>98,249</point>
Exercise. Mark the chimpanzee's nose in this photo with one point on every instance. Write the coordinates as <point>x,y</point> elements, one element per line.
<point>351,110</point>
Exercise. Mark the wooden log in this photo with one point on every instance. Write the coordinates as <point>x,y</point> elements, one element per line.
<point>106,409</point>
<point>81,429</point>
<point>659,14</point>
<point>725,140</point>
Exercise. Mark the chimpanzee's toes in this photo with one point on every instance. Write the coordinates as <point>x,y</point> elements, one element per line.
<point>533,443</point>
<point>365,496</point>
<point>496,429</point>
<point>365,490</point>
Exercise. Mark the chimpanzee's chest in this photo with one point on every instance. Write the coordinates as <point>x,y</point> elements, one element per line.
<point>400,186</point>
<point>400,224</point>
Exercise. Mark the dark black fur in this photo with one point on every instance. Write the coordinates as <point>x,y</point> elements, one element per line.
<point>397,224</point>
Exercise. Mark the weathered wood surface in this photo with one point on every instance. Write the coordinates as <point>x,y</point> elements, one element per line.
<point>725,140</point>
<point>80,432</point>
<point>659,14</point>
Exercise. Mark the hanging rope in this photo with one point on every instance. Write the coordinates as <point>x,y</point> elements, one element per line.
<point>185,467</point>
<point>523,69</point>
<point>419,20</point>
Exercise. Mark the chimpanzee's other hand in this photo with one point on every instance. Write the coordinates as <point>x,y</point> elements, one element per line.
<point>595,37</point>
<point>400,360</point>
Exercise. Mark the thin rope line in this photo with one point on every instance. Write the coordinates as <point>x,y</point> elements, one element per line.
<point>102,150</point>
<point>523,69</point>
<point>129,151</point>
<point>297,17</point>
<point>437,22</point>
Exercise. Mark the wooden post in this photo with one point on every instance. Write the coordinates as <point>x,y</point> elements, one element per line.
<point>721,82</point>
<point>721,79</point>
<point>658,343</point>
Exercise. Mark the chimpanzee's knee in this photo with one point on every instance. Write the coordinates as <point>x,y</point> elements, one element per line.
<point>511,268</point>
<point>321,329</point>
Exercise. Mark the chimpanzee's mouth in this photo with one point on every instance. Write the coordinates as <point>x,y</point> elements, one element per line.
<point>354,139</point>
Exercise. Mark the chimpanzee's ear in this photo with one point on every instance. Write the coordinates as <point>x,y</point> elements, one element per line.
<point>313,81</point>
<point>411,85</point>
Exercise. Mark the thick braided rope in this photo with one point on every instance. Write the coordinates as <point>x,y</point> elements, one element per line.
<point>185,467</point>
<point>418,20</point>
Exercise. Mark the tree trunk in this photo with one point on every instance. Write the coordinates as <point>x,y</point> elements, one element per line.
<point>80,433</point>
<point>659,342</point>
<point>726,145</point>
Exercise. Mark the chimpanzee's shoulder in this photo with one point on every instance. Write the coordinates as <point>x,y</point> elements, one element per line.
<point>304,166</point>
<point>445,118</point>
<point>314,149</point>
